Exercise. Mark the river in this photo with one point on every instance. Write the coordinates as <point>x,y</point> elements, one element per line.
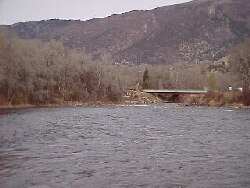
<point>168,146</point>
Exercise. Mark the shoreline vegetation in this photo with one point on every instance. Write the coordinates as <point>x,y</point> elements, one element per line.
<point>46,73</point>
<point>232,99</point>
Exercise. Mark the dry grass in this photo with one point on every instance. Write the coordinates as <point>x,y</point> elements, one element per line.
<point>232,98</point>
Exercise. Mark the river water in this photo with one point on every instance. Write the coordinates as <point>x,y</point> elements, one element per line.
<point>167,146</point>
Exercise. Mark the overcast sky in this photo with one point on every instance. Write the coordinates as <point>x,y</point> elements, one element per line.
<point>12,11</point>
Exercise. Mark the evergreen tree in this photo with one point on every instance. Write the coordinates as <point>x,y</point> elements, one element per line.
<point>145,84</point>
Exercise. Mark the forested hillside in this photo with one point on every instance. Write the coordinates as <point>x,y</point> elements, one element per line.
<point>198,31</point>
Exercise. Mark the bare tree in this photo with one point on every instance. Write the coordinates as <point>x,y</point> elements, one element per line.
<point>240,61</point>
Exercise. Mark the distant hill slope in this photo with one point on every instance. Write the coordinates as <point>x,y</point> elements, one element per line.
<point>196,31</point>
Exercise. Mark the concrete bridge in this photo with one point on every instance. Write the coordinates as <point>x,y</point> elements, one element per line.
<point>176,91</point>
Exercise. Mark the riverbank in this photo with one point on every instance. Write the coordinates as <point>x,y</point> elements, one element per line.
<point>233,99</point>
<point>130,97</point>
<point>94,103</point>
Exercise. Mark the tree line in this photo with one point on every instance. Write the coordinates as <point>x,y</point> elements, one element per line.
<point>38,72</point>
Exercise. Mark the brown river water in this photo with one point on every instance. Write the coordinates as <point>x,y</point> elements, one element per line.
<point>168,146</point>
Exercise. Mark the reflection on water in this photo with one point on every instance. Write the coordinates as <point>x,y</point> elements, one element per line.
<point>125,146</point>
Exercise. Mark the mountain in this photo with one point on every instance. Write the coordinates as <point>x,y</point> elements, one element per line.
<point>200,30</point>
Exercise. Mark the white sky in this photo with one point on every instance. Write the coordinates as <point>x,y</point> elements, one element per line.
<point>12,11</point>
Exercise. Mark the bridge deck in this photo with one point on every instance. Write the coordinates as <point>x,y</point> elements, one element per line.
<point>177,91</point>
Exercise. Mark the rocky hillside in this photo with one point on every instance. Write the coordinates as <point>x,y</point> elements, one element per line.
<point>201,30</point>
